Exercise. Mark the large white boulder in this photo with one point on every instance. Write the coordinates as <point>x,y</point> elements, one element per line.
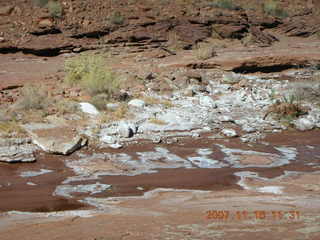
<point>88,108</point>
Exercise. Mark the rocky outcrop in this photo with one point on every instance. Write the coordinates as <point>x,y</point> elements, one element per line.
<point>56,139</point>
<point>13,150</point>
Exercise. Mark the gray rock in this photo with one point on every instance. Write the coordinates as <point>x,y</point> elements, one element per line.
<point>304,124</point>
<point>13,154</point>
<point>136,103</point>
<point>108,139</point>
<point>156,139</point>
<point>55,139</point>
<point>229,133</point>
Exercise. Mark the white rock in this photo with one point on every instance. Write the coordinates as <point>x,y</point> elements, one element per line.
<point>112,106</point>
<point>137,103</point>
<point>229,132</point>
<point>248,129</point>
<point>207,102</point>
<point>88,108</point>
<point>108,139</point>
<point>125,130</point>
<point>116,146</point>
<point>304,124</point>
<point>225,118</point>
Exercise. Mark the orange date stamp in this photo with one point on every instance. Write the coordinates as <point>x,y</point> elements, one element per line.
<point>223,215</point>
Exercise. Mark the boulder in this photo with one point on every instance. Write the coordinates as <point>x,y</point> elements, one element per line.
<point>229,133</point>
<point>56,139</point>
<point>14,154</point>
<point>126,130</point>
<point>89,108</point>
<point>304,124</point>
<point>207,102</point>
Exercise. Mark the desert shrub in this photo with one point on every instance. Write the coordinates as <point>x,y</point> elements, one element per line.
<point>9,127</point>
<point>100,101</point>
<point>205,52</point>
<point>40,3</point>
<point>89,72</point>
<point>117,18</point>
<point>157,121</point>
<point>305,91</point>
<point>231,78</point>
<point>271,7</point>
<point>33,97</point>
<point>225,4</point>
<point>55,9</point>
<point>117,114</point>
<point>65,106</point>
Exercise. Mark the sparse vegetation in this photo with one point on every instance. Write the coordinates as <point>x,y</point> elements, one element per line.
<point>304,91</point>
<point>40,3</point>
<point>157,121</point>
<point>89,72</point>
<point>288,107</point>
<point>9,127</point>
<point>55,9</point>
<point>205,51</point>
<point>117,18</point>
<point>225,4</point>
<point>33,98</point>
<point>119,113</point>
<point>231,78</point>
<point>174,41</point>
<point>153,101</point>
<point>65,107</point>
<point>100,101</point>
<point>271,7</point>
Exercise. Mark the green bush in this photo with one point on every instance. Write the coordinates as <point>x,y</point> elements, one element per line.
<point>55,9</point>
<point>33,98</point>
<point>40,3</point>
<point>272,8</point>
<point>89,72</point>
<point>226,4</point>
<point>117,18</point>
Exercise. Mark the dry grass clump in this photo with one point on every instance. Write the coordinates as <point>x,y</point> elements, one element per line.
<point>33,98</point>
<point>205,51</point>
<point>272,7</point>
<point>157,121</point>
<point>225,4</point>
<point>40,3</point>
<point>55,8</point>
<point>306,91</point>
<point>89,72</point>
<point>119,113</point>
<point>117,18</point>
<point>10,127</point>
<point>66,107</point>
<point>288,107</point>
<point>149,100</point>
